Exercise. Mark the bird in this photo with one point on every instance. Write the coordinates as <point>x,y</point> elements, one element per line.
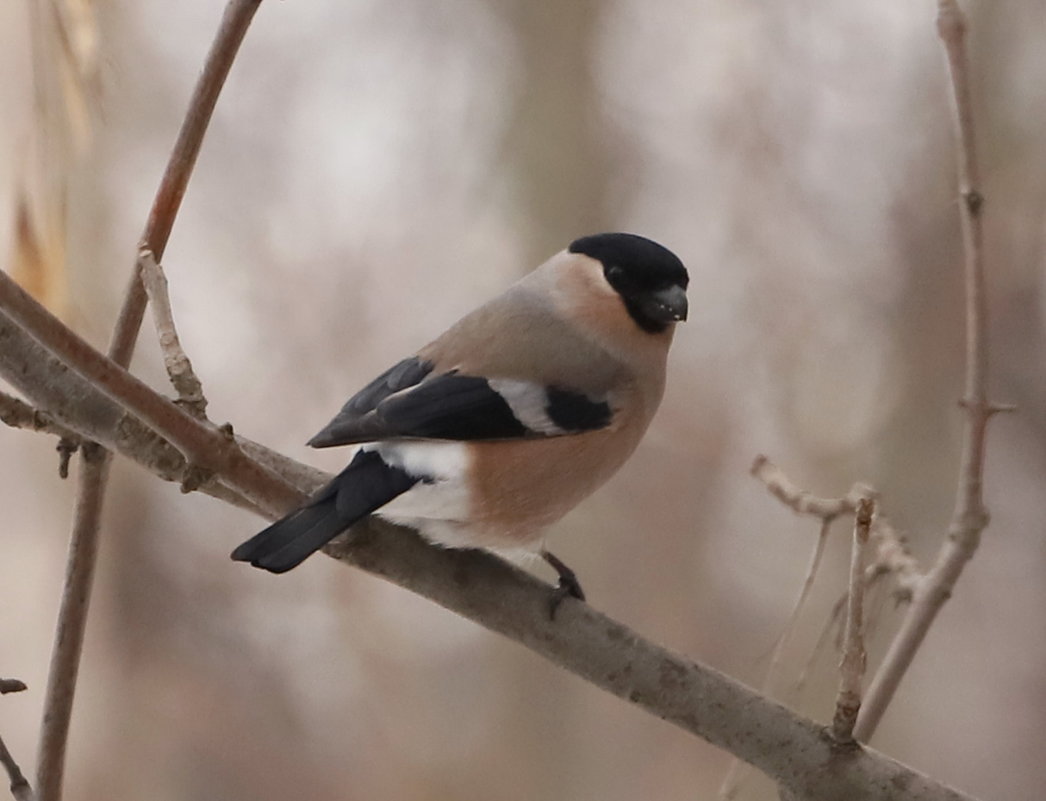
<point>515,414</point>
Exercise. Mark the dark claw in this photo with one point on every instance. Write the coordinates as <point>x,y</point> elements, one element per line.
<point>568,584</point>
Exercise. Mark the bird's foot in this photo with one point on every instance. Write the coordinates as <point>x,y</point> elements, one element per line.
<point>568,585</point>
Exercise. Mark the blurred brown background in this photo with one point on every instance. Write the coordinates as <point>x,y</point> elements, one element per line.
<point>377,168</point>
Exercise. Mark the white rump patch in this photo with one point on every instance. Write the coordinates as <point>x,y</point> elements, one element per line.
<point>442,493</point>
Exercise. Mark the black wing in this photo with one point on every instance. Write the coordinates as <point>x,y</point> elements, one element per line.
<point>407,373</point>
<point>406,402</point>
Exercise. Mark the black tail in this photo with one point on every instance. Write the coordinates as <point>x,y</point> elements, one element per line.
<point>366,485</point>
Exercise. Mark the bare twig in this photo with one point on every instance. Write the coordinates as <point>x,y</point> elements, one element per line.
<point>175,360</point>
<point>20,788</point>
<point>854,660</point>
<point>801,501</point>
<point>72,620</point>
<point>233,27</point>
<point>873,574</point>
<point>66,448</point>
<point>12,686</point>
<point>800,601</point>
<point>893,557</point>
<point>970,516</point>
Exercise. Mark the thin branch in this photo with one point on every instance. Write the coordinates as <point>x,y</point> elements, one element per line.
<point>12,686</point>
<point>855,659</point>
<point>233,27</point>
<point>175,360</point>
<point>72,621</point>
<point>892,557</point>
<point>873,574</point>
<point>970,516</point>
<point>891,552</point>
<point>804,502</point>
<point>801,501</point>
<point>800,601</point>
<point>20,788</point>
<point>203,446</point>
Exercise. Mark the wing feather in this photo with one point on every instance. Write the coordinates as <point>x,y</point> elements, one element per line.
<point>405,402</point>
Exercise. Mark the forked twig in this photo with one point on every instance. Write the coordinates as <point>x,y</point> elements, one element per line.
<point>970,516</point>
<point>800,501</point>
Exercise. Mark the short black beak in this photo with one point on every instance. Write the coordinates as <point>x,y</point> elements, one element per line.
<point>665,305</point>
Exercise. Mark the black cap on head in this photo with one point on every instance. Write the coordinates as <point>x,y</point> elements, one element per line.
<point>650,279</point>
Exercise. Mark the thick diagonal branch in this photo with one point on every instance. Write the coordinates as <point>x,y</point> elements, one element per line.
<point>795,752</point>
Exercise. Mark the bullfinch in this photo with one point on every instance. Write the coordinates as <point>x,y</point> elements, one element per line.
<point>511,417</point>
